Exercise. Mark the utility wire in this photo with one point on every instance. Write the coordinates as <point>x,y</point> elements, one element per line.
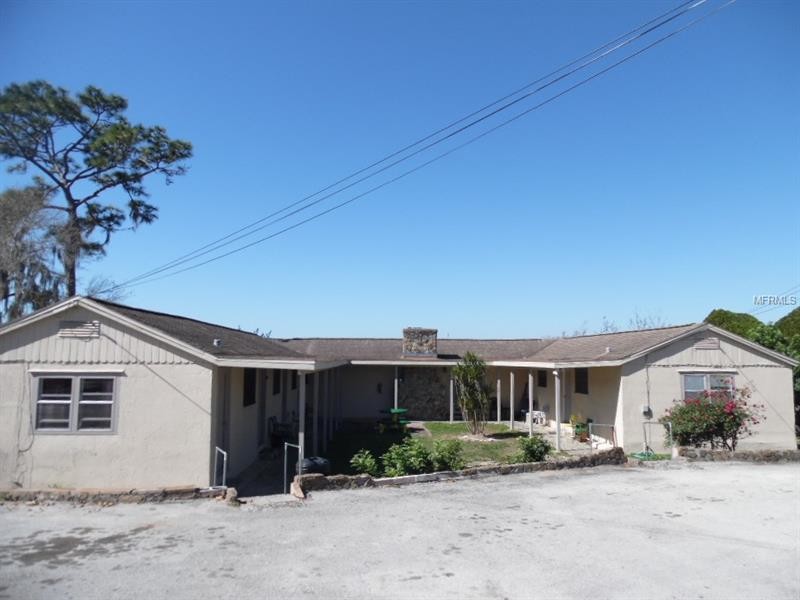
<point>605,50</point>
<point>438,157</point>
<point>740,371</point>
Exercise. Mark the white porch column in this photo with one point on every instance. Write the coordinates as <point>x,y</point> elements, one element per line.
<point>315,426</point>
<point>530,403</point>
<point>452,400</point>
<point>301,425</point>
<point>499,396</point>
<point>396,387</point>
<point>284,382</point>
<point>557,398</point>
<point>511,400</point>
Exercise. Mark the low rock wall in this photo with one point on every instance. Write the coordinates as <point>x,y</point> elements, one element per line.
<point>311,482</point>
<point>114,496</point>
<point>760,456</point>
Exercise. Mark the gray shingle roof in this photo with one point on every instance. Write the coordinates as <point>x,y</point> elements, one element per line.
<point>391,348</point>
<point>608,346</point>
<point>201,335</point>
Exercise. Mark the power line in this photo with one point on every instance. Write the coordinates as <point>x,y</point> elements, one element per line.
<point>603,51</point>
<point>434,159</point>
<point>770,309</point>
<point>740,371</point>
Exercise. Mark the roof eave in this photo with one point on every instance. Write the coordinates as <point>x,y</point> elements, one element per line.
<point>41,314</point>
<point>294,364</point>
<point>667,342</point>
<point>751,344</point>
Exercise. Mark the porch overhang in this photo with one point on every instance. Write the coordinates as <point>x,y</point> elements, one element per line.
<point>406,363</point>
<point>309,366</point>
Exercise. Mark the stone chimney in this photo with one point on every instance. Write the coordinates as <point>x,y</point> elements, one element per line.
<point>419,342</point>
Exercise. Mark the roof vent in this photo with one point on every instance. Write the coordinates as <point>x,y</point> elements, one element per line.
<point>419,341</point>
<point>79,329</point>
<point>608,350</point>
<point>217,342</point>
<point>709,343</point>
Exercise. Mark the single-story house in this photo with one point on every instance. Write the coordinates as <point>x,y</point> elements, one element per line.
<point>99,394</point>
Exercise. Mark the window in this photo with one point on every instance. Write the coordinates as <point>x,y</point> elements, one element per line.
<point>581,381</point>
<point>276,382</point>
<point>541,378</point>
<point>249,387</point>
<point>694,384</point>
<point>294,380</point>
<point>54,403</point>
<point>75,403</point>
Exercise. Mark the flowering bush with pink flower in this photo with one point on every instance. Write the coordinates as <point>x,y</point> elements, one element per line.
<point>715,418</point>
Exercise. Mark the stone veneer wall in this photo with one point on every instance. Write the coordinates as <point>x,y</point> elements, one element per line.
<point>769,456</point>
<point>113,496</point>
<point>418,341</point>
<point>425,392</point>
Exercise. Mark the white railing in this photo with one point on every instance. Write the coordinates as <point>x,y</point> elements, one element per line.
<point>285,464</point>
<point>591,435</point>
<point>217,452</point>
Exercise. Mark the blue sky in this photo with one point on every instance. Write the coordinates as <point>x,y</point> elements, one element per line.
<point>666,188</point>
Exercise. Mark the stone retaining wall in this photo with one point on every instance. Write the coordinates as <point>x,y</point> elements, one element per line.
<point>114,496</point>
<point>767,456</point>
<point>303,484</point>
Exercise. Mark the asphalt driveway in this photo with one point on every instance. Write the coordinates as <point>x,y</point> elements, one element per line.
<point>693,531</point>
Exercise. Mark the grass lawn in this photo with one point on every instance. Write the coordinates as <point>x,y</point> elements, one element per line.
<point>503,447</point>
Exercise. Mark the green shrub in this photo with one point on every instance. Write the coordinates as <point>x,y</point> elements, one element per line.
<point>364,462</point>
<point>448,455</point>
<point>409,458</point>
<point>533,449</point>
<point>714,418</point>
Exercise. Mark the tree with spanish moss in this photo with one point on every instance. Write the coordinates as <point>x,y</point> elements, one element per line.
<point>86,154</point>
<point>29,277</point>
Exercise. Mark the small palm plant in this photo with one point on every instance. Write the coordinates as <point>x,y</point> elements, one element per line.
<point>469,376</point>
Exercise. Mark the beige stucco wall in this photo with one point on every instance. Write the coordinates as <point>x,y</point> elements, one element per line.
<point>241,440</point>
<point>163,411</point>
<point>243,422</point>
<point>602,404</point>
<point>658,377</point>
<point>359,388</point>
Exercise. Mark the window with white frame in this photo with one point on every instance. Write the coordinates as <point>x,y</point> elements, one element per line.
<point>75,403</point>
<point>695,384</point>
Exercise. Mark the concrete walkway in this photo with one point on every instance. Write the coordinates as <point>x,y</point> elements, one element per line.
<point>569,444</point>
<point>700,531</point>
